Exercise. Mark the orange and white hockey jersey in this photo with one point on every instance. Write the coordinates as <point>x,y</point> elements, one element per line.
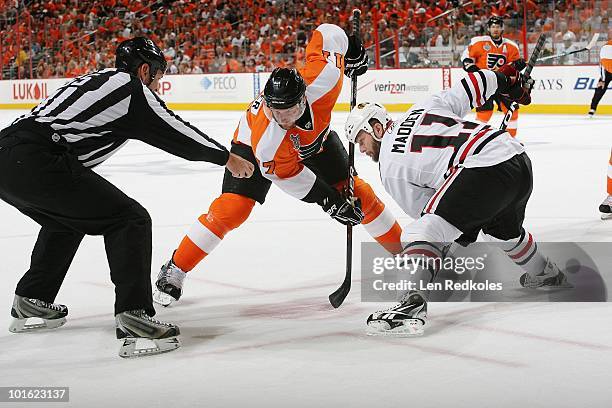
<point>487,55</point>
<point>606,58</point>
<point>280,152</point>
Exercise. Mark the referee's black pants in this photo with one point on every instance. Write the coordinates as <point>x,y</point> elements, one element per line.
<point>46,182</point>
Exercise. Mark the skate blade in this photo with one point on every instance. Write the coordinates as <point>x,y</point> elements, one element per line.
<point>141,347</point>
<point>411,328</point>
<point>162,298</point>
<point>606,216</point>
<point>22,326</point>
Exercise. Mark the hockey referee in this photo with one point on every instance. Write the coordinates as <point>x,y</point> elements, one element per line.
<point>46,161</point>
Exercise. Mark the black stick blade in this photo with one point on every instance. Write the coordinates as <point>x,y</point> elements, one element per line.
<point>340,294</point>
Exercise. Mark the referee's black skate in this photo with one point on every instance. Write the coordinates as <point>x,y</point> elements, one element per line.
<point>169,284</point>
<point>404,320</point>
<point>550,277</point>
<point>52,315</point>
<point>143,335</point>
<point>605,208</point>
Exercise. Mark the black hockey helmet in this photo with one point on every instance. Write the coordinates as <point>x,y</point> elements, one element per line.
<point>495,20</point>
<point>284,89</point>
<point>132,53</point>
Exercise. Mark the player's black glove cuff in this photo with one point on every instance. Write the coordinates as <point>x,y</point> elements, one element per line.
<point>342,210</point>
<point>356,59</point>
<point>469,65</point>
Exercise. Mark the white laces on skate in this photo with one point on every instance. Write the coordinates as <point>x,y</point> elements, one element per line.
<point>42,303</point>
<point>144,315</point>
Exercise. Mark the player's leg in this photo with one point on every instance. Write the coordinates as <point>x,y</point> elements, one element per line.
<point>332,165</point>
<point>506,231</point>
<point>226,213</point>
<point>606,207</point>
<point>484,112</point>
<point>600,90</point>
<point>426,238</point>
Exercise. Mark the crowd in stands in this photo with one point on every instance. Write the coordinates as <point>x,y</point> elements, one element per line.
<point>66,38</point>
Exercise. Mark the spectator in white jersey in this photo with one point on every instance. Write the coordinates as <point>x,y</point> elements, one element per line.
<point>455,178</point>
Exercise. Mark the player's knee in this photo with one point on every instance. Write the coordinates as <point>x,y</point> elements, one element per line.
<point>502,236</point>
<point>228,212</point>
<point>430,228</point>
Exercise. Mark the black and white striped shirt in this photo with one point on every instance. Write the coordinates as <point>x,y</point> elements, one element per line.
<point>97,113</point>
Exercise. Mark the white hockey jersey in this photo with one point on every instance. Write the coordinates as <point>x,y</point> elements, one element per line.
<point>431,141</point>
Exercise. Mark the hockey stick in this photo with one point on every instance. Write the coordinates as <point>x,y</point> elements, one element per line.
<point>340,294</point>
<point>563,54</point>
<point>533,58</point>
<point>447,12</point>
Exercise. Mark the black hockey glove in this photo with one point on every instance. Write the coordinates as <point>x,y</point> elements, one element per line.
<point>341,210</point>
<point>519,64</point>
<point>469,65</point>
<point>356,59</point>
<point>517,87</point>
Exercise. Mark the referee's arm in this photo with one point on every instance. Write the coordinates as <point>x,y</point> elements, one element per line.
<point>158,126</point>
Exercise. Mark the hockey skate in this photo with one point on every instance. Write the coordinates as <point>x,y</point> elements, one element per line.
<point>407,319</point>
<point>52,315</point>
<point>551,277</point>
<point>143,335</point>
<point>169,284</point>
<point>606,208</point>
<point>591,113</point>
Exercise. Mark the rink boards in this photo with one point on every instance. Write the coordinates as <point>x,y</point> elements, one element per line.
<point>565,90</point>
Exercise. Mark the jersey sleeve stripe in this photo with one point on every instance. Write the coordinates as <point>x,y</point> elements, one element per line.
<point>483,78</point>
<point>468,92</point>
<point>326,81</point>
<point>476,88</point>
<point>160,109</point>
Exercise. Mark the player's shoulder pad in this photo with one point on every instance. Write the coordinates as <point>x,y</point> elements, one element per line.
<point>480,38</point>
<point>510,42</point>
<point>334,38</point>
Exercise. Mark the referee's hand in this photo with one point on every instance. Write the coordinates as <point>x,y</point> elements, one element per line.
<point>239,167</point>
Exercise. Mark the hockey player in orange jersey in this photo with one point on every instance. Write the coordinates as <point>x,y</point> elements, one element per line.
<point>492,52</point>
<point>606,207</point>
<point>286,133</point>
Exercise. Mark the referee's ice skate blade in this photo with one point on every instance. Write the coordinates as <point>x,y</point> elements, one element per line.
<point>141,347</point>
<point>19,325</point>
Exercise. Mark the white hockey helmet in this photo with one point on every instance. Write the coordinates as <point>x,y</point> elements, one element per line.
<point>359,119</point>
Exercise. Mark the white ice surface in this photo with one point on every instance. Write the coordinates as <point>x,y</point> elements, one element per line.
<point>257,329</point>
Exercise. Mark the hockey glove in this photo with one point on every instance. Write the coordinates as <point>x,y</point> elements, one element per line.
<point>469,65</point>
<point>519,64</point>
<point>356,59</point>
<point>341,210</point>
<point>518,87</point>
